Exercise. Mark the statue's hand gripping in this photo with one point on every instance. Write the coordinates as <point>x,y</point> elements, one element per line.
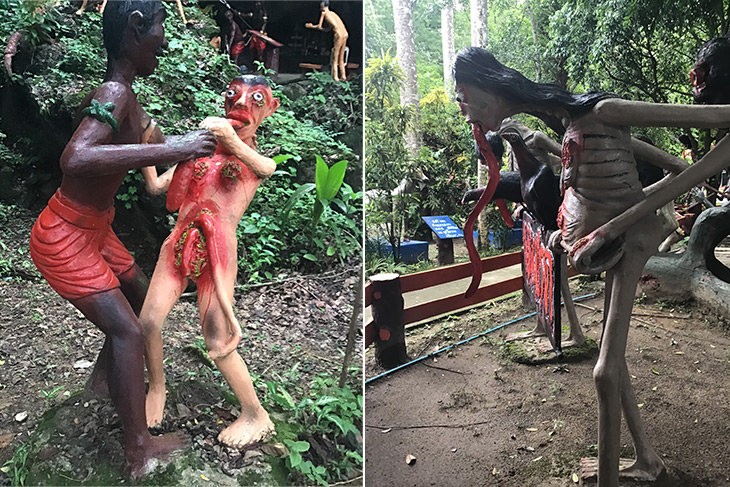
<point>222,129</point>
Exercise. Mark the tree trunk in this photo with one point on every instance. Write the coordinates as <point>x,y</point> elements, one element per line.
<point>406,51</point>
<point>538,69</point>
<point>479,38</point>
<point>479,28</point>
<point>354,319</point>
<point>447,46</point>
<point>387,307</point>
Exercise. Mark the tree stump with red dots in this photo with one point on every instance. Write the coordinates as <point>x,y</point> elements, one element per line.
<point>387,308</point>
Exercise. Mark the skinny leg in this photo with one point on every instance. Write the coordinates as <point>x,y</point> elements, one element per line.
<point>133,284</point>
<point>610,373</point>
<point>110,311</point>
<point>182,12</point>
<point>576,336</point>
<point>165,289</point>
<point>253,425</point>
<point>339,59</point>
<point>82,8</point>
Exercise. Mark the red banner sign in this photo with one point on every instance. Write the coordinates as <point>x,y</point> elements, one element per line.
<point>541,272</point>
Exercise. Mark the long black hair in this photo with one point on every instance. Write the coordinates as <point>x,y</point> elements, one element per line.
<point>116,16</point>
<point>478,67</point>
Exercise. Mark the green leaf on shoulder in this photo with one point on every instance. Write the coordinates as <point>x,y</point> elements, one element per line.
<point>102,113</point>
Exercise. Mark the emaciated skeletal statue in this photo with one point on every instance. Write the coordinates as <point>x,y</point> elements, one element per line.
<point>607,222</point>
<point>212,193</point>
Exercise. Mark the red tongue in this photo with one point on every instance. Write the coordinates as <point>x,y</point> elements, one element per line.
<point>493,173</point>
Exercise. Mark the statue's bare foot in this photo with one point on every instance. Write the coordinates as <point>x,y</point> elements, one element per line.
<point>537,332</point>
<point>572,342</point>
<point>155,452</point>
<point>247,431</point>
<point>647,471</point>
<point>155,405</point>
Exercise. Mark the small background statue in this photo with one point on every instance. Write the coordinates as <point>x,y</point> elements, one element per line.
<point>329,20</point>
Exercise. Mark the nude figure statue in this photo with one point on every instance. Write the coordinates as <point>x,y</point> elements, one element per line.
<point>212,194</point>
<point>72,242</point>
<point>607,222</point>
<point>334,22</point>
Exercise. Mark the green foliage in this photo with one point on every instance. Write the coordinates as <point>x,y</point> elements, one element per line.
<point>327,182</point>
<point>327,411</point>
<point>386,158</point>
<point>335,106</point>
<point>273,238</point>
<point>35,19</point>
<point>17,467</point>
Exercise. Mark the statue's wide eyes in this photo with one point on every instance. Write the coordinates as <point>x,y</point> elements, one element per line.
<point>230,93</point>
<point>257,96</point>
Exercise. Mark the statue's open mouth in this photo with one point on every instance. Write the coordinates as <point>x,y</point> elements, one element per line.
<point>238,123</point>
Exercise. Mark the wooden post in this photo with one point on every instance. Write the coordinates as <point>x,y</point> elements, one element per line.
<point>445,248</point>
<point>387,308</point>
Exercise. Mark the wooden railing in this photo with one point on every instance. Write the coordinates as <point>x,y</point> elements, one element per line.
<point>443,275</point>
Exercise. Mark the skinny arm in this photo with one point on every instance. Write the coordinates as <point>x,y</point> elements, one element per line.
<point>615,111</point>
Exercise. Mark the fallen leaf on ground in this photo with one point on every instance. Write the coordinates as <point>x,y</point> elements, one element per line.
<point>5,440</point>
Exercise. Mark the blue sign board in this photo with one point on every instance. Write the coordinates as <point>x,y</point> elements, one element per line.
<point>443,227</point>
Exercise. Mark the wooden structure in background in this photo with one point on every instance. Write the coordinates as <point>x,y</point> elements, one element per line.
<point>434,277</point>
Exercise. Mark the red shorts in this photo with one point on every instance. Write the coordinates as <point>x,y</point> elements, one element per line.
<point>76,250</point>
<point>237,49</point>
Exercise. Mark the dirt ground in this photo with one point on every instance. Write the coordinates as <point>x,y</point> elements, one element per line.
<point>471,416</point>
<point>292,332</point>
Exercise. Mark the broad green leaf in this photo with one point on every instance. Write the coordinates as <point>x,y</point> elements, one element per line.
<point>324,400</point>
<point>295,458</point>
<point>330,251</point>
<point>334,180</point>
<point>283,158</point>
<point>321,175</point>
<point>311,257</point>
<point>300,446</point>
<point>341,423</point>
